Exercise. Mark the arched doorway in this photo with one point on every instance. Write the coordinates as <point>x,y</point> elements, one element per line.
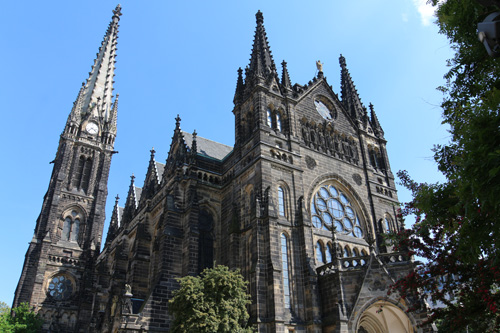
<point>384,317</point>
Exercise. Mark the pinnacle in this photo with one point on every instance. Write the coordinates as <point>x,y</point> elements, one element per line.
<point>261,65</point>
<point>259,17</point>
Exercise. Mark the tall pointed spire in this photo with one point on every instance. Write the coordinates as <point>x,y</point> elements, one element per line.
<point>350,97</point>
<point>261,61</point>
<point>95,99</point>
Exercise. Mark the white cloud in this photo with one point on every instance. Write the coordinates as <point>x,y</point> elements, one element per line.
<point>425,10</point>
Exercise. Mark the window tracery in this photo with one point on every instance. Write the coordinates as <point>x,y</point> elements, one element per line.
<point>332,209</point>
<point>60,287</point>
<point>274,119</point>
<point>71,226</point>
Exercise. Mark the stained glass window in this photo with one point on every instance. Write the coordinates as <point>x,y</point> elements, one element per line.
<point>60,287</point>
<point>285,270</point>
<point>281,201</point>
<point>332,208</point>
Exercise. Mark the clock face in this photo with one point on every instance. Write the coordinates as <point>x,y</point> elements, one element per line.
<point>92,128</point>
<point>323,110</point>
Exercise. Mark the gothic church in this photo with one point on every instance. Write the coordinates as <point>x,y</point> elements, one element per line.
<point>299,204</point>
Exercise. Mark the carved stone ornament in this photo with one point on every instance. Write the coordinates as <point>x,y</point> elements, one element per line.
<point>310,162</point>
<point>357,179</point>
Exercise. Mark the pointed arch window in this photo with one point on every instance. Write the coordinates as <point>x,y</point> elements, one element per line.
<point>281,201</point>
<point>269,118</point>
<point>347,252</point>
<point>205,240</point>
<point>319,253</point>
<point>387,224</point>
<point>285,270</point>
<point>71,227</point>
<point>274,119</point>
<point>328,253</point>
<point>83,170</point>
<point>278,121</point>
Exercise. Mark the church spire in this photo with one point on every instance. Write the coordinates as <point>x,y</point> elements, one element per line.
<point>261,61</point>
<point>95,98</point>
<point>350,97</point>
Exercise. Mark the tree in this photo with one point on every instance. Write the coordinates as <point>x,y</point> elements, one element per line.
<point>215,301</point>
<point>24,319</point>
<point>457,227</point>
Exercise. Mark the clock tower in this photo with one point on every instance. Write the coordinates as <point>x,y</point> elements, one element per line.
<point>57,275</point>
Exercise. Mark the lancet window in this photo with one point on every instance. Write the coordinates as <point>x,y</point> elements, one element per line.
<point>285,270</point>
<point>71,226</point>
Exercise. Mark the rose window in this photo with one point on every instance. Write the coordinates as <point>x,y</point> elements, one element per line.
<point>60,287</point>
<point>330,208</point>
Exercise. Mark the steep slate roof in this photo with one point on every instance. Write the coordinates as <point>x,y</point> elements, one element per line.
<point>207,147</point>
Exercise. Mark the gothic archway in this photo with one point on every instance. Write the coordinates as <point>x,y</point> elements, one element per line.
<point>384,317</point>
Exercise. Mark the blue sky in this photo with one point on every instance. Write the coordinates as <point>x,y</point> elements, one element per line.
<point>182,58</point>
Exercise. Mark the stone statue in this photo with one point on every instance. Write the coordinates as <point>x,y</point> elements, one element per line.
<point>113,305</point>
<point>128,290</point>
<point>319,66</point>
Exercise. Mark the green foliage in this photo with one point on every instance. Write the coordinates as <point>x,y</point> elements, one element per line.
<point>24,319</point>
<point>457,229</point>
<point>215,301</point>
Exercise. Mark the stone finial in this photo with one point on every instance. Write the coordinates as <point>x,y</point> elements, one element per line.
<point>259,17</point>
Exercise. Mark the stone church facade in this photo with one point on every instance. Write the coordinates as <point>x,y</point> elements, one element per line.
<point>299,204</point>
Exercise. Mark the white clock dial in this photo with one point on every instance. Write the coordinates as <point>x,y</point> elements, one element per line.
<point>92,128</point>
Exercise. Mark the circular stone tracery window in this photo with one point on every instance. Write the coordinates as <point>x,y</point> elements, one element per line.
<point>60,287</point>
<point>331,208</point>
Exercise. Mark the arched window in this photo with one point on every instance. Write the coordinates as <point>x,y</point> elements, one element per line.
<point>205,241</point>
<point>387,224</point>
<point>281,201</point>
<point>319,253</point>
<point>269,118</point>
<point>81,178</point>
<point>355,253</point>
<point>331,208</point>
<point>347,252</point>
<point>278,121</point>
<point>285,270</point>
<point>328,253</point>
<point>363,254</point>
<point>71,227</point>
